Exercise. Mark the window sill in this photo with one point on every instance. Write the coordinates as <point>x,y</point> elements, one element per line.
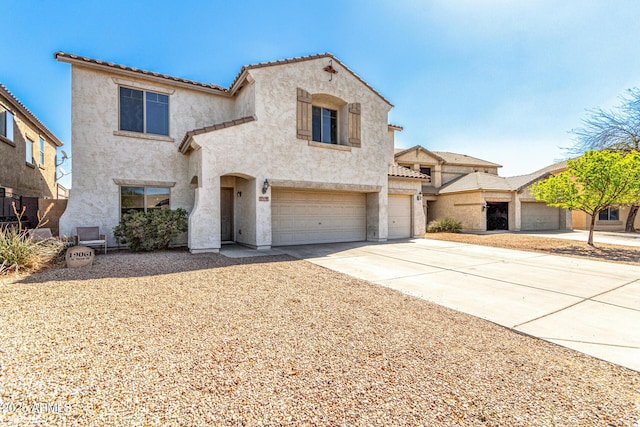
<point>7,141</point>
<point>329,146</point>
<point>31,165</point>
<point>143,135</point>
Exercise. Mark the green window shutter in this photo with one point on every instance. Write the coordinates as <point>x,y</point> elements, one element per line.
<point>354,125</point>
<point>304,115</point>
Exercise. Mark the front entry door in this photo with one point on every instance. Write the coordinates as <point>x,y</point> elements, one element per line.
<point>226,214</point>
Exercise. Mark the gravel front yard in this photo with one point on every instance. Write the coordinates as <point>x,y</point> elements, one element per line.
<point>177,339</point>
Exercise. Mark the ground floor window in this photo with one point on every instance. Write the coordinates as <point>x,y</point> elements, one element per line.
<point>143,198</point>
<point>610,214</point>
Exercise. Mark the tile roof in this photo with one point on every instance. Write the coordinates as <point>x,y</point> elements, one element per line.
<point>402,172</point>
<point>476,181</point>
<point>301,59</point>
<point>400,151</point>
<point>67,57</point>
<point>463,159</point>
<point>30,116</point>
<point>395,127</point>
<point>230,123</point>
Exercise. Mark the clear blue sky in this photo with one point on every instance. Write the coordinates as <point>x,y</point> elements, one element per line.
<point>497,79</point>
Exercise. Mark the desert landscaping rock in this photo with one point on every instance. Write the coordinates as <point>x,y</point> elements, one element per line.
<point>171,338</point>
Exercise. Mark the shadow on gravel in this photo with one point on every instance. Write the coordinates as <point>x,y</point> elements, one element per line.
<point>603,254</point>
<point>123,264</point>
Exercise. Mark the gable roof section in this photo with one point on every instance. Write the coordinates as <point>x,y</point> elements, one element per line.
<point>476,181</point>
<point>15,103</point>
<point>185,144</point>
<point>402,172</point>
<point>463,159</point>
<point>237,82</point>
<point>401,151</point>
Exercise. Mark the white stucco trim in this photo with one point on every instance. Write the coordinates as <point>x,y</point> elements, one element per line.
<point>142,183</point>
<point>144,86</point>
<point>329,146</point>
<point>138,135</point>
<point>325,186</point>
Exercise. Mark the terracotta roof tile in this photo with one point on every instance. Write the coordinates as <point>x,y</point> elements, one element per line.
<point>230,123</point>
<point>67,57</point>
<point>402,172</point>
<point>32,117</point>
<point>463,159</point>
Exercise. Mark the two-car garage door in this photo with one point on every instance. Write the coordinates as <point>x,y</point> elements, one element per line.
<point>301,217</point>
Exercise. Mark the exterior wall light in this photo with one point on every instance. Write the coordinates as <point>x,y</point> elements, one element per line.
<point>239,194</point>
<point>419,196</point>
<point>484,207</point>
<point>265,186</point>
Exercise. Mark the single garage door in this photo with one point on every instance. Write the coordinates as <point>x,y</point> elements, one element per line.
<point>539,216</point>
<point>399,217</point>
<point>303,217</point>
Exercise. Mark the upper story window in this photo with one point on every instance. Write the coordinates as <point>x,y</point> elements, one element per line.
<point>610,214</point>
<point>426,171</point>
<point>28,145</point>
<point>325,125</point>
<point>41,151</point>
<point>6,124</point>
<point>144,111</point>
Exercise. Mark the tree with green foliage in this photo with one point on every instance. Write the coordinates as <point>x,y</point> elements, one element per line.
<point>617,129</point>
<point>592,183</point>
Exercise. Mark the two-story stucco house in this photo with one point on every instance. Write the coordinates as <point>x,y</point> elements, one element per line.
<point>27,152</point>
<point>294,151</point>
<point>469,190</point>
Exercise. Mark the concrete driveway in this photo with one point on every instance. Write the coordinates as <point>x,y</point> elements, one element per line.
<point>589,306</point>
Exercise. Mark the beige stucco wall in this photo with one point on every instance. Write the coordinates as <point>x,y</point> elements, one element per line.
<point>463,207</point>
<point>269,149</point>
<point>102,154</point>
<point>35,180</point>
<point>582,221</point>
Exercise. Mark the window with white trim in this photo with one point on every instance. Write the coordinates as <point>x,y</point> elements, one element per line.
<point>6,124</point>
<point>143,198</point>
<point>41,151</point>
<point>144,111</point>
<point>28,145</point>
<point>609,214</point>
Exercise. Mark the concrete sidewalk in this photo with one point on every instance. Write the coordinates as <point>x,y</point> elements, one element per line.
<point>590,306</point>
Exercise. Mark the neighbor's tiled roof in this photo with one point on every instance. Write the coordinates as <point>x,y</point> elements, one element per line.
<point>521,181</point>
<point>476,181</point>
<point>394,127</point>
<point>463,159</point>
<point>29,115</point>
<point>183,144</point>
<point>402,172</point>
<point>68,57</point>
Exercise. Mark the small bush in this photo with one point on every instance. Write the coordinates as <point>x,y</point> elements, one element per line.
<point>151,230</point>
<point>18,251</point>
<point>447,225</point>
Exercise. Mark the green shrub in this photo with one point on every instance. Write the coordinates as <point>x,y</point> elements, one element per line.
<point>18,251</point>
<point>444,225</point>
<point>151,230</point>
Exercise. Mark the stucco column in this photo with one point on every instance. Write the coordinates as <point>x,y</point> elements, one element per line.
<point>419,220</point>
<point>263,215</point>
<point>517,206</point>
<point>204,221</point>
<point>377,216</point>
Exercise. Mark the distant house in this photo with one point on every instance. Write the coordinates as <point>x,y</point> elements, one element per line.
<point>27,152</point>
<point>469,189</point>
<point>295,151</point>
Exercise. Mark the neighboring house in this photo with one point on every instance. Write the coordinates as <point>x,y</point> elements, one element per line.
<point>469,190</point>
<point>294,151</point>
<point>27,152</point>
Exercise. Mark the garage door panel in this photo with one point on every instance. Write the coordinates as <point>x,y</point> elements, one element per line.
<point>399,213</point>
<point>539,216</point>
<point>300,217</point>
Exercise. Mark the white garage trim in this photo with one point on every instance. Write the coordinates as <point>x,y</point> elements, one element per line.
<point>399,210</point>
<point>305,217</point>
